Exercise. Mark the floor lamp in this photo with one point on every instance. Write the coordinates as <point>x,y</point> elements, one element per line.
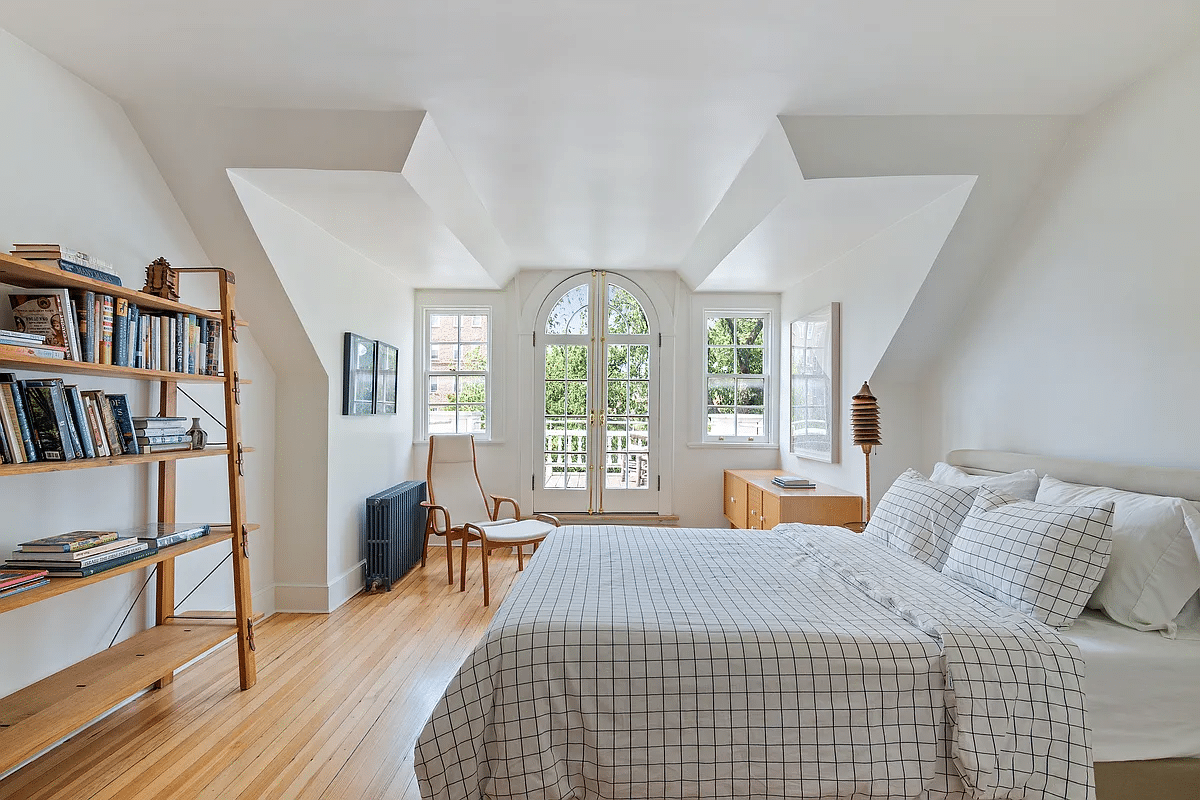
<point>864,428</point>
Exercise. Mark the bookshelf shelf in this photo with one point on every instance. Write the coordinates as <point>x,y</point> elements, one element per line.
<point>37,716</point>
<point>31,467</point>
<point>35,364</point>
<point>19,272</point>
<point>57,586</point>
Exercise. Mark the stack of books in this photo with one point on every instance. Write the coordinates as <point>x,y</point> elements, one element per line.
<point>165,534</point>
<point>80,553</point>
<point>68,260</point>
<point>15,581</point>
<point>793,482</point>
<point>159,434</point>
<point>23,343</point>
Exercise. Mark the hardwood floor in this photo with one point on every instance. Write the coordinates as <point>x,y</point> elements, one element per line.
<point>337,709</point>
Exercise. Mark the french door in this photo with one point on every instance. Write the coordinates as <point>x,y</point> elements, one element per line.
<point>597,367</point>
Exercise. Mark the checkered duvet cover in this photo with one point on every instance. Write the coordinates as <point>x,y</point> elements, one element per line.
<point>803,662</point>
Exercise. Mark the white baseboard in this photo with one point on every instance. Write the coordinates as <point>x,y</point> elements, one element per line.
<point>315,598</point>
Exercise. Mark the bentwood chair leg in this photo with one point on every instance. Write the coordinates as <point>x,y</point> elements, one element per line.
<point>425,547</point>
<point>520,553</point>
<point>449,561</point>
<point>462,572</point>
<point>486,595</point>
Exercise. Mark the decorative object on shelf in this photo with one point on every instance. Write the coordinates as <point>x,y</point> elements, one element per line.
<point>358,375</point>
<point>197,434</point>
<point>162,280</point>
<point>387,371</point>
<point>864,427</point>
<point>816,357</point>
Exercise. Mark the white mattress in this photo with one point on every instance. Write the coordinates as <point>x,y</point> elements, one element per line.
<point>1143,691</point>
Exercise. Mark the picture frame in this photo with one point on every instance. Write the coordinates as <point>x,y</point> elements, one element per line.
<point>814,417</point>
<point>387,372</point>
<point>358,375</point>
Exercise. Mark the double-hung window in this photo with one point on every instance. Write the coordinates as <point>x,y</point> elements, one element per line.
<point>457,374</point>
<point>737,363</point>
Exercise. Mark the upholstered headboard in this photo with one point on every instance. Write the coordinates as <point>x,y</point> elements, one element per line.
<point>1147,480</point>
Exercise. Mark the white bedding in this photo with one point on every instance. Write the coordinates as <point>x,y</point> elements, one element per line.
<point>1143,691</point>
<point>794,663</point>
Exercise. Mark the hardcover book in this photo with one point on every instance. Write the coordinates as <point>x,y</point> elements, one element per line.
<point>120,411</point>
<point>12,393</point>
<point>120,332</point>
<point>37,351</point>
<point>23,587</point>
<point>96,424</point>
<point>83,569</point>
<point>46,313</point>
<point>47,419</point>
<point>152,423</point>
<point>165,534</point>
<point>14,577</point>
<point>165,438</point>
<point>120,543</point>
<point>165,448</point>
<point>34,252</point>
<point>67,542</point>
<point>106,330</point>
<point>79,269</point>
<point>79,415</point>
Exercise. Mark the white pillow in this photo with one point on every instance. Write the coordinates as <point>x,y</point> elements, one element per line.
<point>1041,559</point>
<point>919,517</point>
<point>1154,568</point>
<point>1023,484</point>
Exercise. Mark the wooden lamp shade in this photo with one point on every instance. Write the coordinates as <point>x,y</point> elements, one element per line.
<point>865,431</point>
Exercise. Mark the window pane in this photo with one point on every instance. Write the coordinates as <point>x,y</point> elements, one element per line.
<point>750,330</point>
<point>750,392</point>
<point>750,360</point>
<point>618,360</point>
<point>473,357</point>
<point>639,433</point>
<point>720,330</point>
<point>577,362</point>
<point>443,357</point>
<point>473,328</point>
<point>639,397</point>
<point>441,419</point>
<point>639,361</point>
<point>721,391</point>
<point>556,362</point>
<point>618,396</point>
<point>720,421</point>
<point>720,361</point>
<point>625,314</point>
<point>471,418</point>
<point>472,389</point>
<point>750,422</point>
<point>576,398</point>
<point>556,398</point>
<point>570,313</point>
<point>443,328</point>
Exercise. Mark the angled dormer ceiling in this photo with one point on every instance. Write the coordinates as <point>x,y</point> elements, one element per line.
<point>623,135</point>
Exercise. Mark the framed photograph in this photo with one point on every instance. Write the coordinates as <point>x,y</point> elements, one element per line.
<point>358,376</point>
<point>815,374</point>
<point>387,361</point>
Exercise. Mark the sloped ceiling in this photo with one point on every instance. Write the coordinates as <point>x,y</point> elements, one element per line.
<point>743,145</point>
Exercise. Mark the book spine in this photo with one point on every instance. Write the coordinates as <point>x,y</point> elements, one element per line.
<point>96,423</point>
<point>32,350</point>
<point>193,343</point>
<point>13,390</point>
<point>40,402</point>
<point>106,330</point>
<point>70,322</point>
<point>180,334</point>
<point>124,555</point>
<point>88,271</point>
<point>131,337</point>
<point>89,301</point>
<point>81,421</point>
<point>176,538</point>
<point>210,362</point>
<point>62,416</point>
<point>170,438</point>
<point>120,410</point>
<point>117,562</point>
<point>120,332</point>
<point>6,451</point>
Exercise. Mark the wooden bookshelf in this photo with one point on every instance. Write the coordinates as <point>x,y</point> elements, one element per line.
<point>37,716</point>
<point>31,467</point>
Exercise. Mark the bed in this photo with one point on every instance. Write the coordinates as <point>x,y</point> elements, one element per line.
<point>803,662</point>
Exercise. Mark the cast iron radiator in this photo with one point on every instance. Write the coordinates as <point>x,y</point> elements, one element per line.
<point>393,533</point>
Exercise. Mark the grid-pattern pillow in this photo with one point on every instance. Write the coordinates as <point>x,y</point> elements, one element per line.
<point>1042,559</point>
<point>920,517</point>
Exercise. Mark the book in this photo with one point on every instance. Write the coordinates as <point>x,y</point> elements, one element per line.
<point>170,438</point>
<point>119,404</point>
<point>78,554</point>
<point>153,423</point>
<point>47,313</point>
<point>112,431</point>
<point>165,534</point>
<point>40,351</point>
<point>85,304</point>
<point>7,455</point>
<point>66,542</point>
<point>120,356</point>
<point>792,482</point>
<point>12,393</point>
<point>12,430</point>
<point>22,337</point>
<point>96,424</point>
<point>48,420</point>
<point>165,448</point>
<point>24,587</point>
<point>180,340</point>
<point>82,570</point>
<point>79,415</point>
<point>214,339</point>
<point>30,252</point>
<point>106,330</point>
<point>15,577</point>
<point>80,558</point>
<point>78,269</point>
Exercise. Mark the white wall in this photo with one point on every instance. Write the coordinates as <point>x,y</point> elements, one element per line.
<point>333,289</point>
<point>505,464</point>
<point>1083,342</point>
<point>80,176</point>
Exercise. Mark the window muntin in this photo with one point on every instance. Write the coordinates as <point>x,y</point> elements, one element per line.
<point>457,374</point>
<point>736,376</point>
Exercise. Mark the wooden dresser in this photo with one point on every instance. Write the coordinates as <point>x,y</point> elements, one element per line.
<point>753,502</point>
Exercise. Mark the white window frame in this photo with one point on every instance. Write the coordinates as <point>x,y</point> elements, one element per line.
<point>427,373</point>
<point>768,437</point>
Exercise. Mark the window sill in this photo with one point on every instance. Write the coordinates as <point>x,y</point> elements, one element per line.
<point>478,442</point>
<point>733,445</point>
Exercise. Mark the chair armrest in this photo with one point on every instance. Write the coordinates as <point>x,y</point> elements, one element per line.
<point>499,500</point>
<point>550,518</point>
<point>432,514</point>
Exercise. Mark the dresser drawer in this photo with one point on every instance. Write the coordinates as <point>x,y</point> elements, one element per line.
<point>754,505</point>
<point>735,500</point>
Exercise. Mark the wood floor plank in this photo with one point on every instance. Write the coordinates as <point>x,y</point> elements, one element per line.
<point>340,701</point>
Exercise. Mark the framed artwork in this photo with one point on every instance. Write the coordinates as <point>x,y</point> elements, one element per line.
<point>358,375</point>
<point>387,361</point>
<point>815,376</point>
